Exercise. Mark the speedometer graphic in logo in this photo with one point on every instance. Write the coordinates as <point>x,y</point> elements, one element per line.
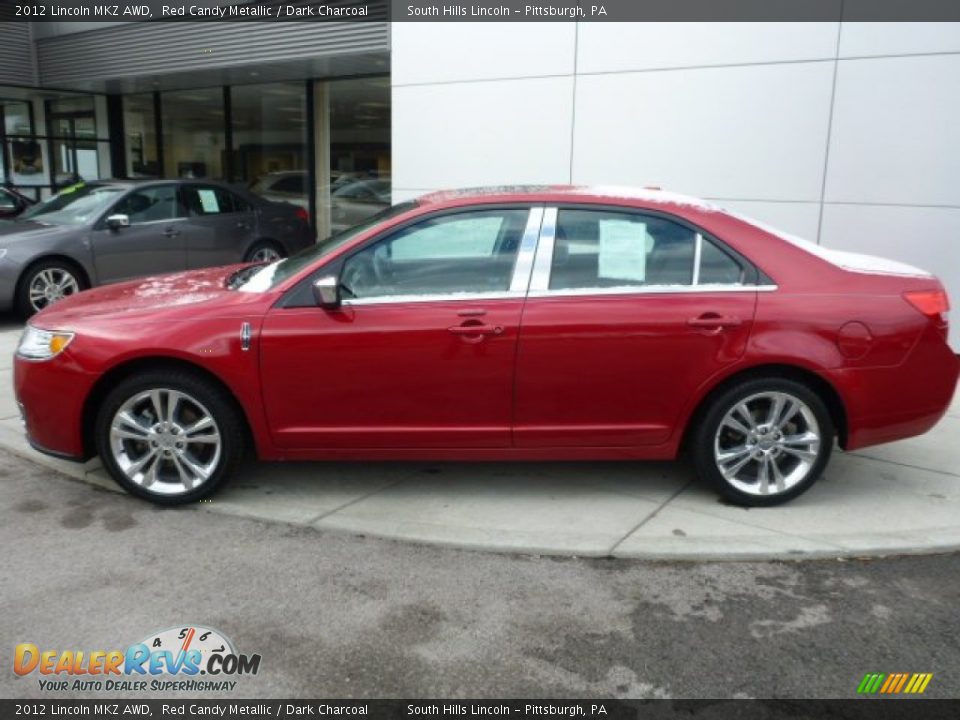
<point>181,640</point>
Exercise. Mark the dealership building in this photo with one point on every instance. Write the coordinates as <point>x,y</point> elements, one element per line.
<point>845,133</point>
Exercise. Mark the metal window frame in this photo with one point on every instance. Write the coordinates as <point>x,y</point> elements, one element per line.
<point>543,265</point>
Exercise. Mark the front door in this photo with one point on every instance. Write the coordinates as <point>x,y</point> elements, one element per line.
<point>152,244</point>
<point>628,314</point>
<point>421,353</point>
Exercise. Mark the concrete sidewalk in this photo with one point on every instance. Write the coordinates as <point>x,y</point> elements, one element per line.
<point>899,498</point>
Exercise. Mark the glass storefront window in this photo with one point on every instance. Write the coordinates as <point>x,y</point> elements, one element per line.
<point>357,184</point>
<point>16,117</point>
<point>269,124</point>
<point>140,136</point>
<point>193,133</point>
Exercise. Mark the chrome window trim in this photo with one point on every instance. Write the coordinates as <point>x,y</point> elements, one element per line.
<point>523,266</point>
<point>438,297</point>
<point>519,280</point>
<point>543,262</point>
<point>697,249</point>
<point>653,290</point>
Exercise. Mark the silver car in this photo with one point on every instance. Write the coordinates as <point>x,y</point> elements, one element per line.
<point>104,232</point>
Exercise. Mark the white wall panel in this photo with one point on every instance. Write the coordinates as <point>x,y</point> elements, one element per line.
<point>612,47</point>
<point>896,134</point>
<point>482,133</point>
<point>447,51</point>
<point>752,133</point>
<point>928,238</point>
<point>859,39</point>
<point>797,218</point>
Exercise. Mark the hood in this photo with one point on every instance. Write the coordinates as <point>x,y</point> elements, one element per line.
<point>132,300</point>
<point>17,230</point>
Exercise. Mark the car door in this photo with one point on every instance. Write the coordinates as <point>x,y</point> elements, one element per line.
<point>421,353</point>
<point>152,243</point>
<point>628,314</point>
<point>219,228</point>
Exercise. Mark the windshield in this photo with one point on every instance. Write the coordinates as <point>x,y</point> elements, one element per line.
<point>76,205</point>
<point>269,276</point>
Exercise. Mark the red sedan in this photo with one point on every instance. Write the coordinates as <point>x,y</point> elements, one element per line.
<point>504,324</point>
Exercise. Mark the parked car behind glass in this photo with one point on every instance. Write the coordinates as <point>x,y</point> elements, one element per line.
<point>105,232</point>
<point>511,324</point>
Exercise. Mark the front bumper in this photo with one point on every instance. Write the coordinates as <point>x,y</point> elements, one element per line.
<point>51,395</point>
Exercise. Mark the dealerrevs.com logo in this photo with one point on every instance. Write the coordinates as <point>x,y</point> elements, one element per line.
<point>192,658</point>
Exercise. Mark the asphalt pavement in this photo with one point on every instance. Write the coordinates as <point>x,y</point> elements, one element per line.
<point>340,615</point>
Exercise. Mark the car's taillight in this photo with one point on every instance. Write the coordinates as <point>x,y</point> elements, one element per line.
<point>931,303</point>
<point>303,215</point>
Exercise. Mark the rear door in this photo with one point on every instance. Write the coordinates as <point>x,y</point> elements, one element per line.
<point>152,244</point>
<point>628,314</point>
<point>220,225</point>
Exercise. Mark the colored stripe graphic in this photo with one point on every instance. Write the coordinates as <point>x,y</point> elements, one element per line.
<point>894,683</point>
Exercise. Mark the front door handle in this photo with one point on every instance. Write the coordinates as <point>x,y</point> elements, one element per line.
<point>476,330</point>
<point>713,320</point>
<point>171,232</point>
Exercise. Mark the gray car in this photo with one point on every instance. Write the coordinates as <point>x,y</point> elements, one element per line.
<point>103,232</point>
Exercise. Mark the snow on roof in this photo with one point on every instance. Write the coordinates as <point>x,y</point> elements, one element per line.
<point>610,191</point>
<point>855,262</point>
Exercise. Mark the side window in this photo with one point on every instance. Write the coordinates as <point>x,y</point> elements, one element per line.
<point>148,204</point>
<point>717,267</point>
<point>602,249</point>
<point>202,201</point>
<point>468,252</point>
<point>7,202</point>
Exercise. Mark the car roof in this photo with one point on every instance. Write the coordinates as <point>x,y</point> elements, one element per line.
<point>617,195</point>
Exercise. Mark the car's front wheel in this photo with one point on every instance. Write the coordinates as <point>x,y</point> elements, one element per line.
<point>264,251</point>
<point>170,437</point>
<point>764,441</point>
<point>46,282</point>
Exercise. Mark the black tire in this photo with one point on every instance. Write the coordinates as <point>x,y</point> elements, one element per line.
<point>261,246</point>
<point>213,399</point>
<point>24,305</point>
<point>705,436</point>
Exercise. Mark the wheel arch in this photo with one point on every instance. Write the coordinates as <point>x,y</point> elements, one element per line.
<point>128,368</point>
<point>784,371</point>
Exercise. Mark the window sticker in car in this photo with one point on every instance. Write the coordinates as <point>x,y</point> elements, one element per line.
<point>208,200</point>
<point>623,250</point>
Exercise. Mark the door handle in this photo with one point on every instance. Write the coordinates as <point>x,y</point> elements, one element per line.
<point>476,330</point>
<point>171,232</point>
<point>713,320</point>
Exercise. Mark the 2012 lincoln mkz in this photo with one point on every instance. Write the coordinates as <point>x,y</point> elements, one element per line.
<point>506,323</point>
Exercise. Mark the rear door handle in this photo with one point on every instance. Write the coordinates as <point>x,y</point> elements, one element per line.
<point>712,320</point>
<point>171,232</point>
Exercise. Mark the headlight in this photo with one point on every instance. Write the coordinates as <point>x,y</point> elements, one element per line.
<point>37,344</point>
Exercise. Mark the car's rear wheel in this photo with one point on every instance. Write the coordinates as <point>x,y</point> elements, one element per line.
<point>764,441</point>
<point>46,282</point>
<point>170,437</point>
<point>264,251</point>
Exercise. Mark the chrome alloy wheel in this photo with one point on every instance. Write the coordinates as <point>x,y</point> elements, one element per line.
<point>265,254</point>
<point>767,443</point>
<point>165,441</point>
<point>50,285</point>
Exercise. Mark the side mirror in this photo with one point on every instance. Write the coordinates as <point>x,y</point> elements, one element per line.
<point>326,291</point>
<point>115,222</point>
